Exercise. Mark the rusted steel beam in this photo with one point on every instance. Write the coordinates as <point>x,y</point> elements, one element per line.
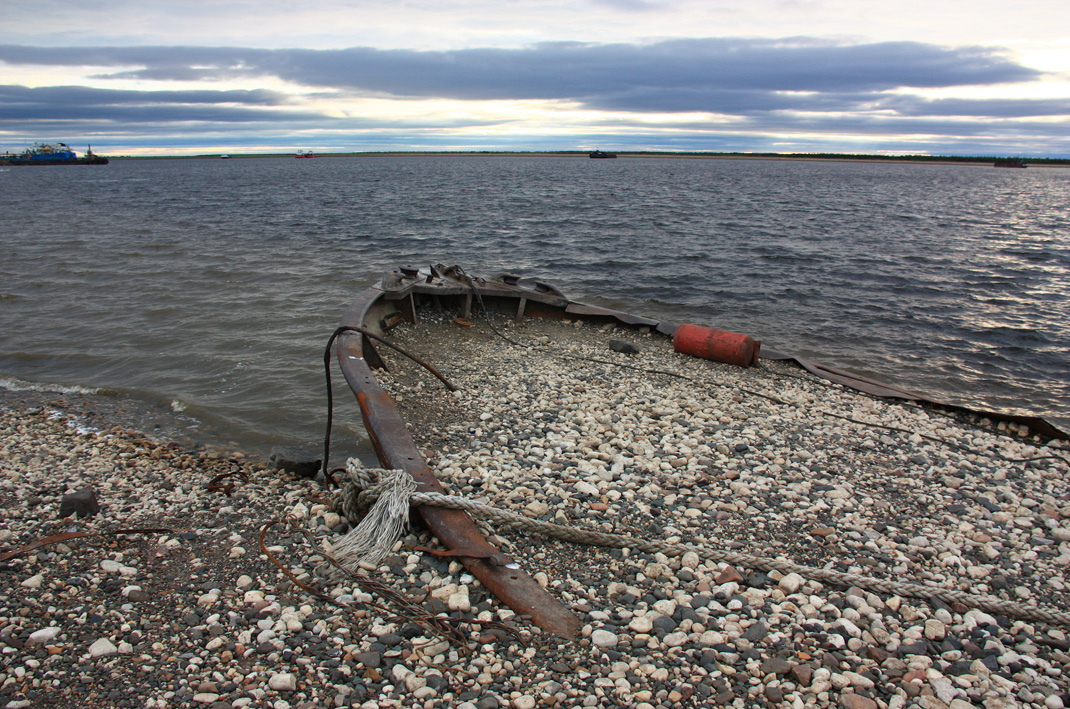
<point>453,528</point>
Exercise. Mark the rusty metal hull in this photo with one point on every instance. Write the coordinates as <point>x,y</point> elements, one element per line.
<point>395,300</point>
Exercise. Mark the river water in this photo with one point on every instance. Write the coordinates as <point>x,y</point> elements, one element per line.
<point>204,290</point>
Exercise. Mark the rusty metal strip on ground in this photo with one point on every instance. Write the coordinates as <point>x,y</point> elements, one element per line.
<point>64,536</point>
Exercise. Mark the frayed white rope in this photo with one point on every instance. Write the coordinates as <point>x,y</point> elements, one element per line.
<point>372,539</point>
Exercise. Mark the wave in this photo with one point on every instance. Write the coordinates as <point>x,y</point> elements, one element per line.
<point>15,384</point>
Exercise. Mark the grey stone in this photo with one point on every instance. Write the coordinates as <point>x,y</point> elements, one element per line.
<point>776,665</point>
<point>298,461</point>
<point>623,347</point>
<point>82,503</point>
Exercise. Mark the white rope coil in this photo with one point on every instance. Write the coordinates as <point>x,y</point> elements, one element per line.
<point>386,521</point>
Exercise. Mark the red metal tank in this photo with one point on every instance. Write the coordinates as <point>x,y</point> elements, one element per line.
<point>716,345</point>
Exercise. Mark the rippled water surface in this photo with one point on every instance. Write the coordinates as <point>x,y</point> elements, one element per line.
<point>211,286</point>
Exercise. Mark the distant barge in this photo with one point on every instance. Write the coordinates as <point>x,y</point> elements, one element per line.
<point>601,154</point>
<point>1009,162</point>
<point>52,154</point>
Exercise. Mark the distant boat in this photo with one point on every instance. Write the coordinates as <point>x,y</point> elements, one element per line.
<point>52,154</point>
<point>1010,162</point>
<point>601,154</point>
<point>305,154</point>
<point>224,157</point>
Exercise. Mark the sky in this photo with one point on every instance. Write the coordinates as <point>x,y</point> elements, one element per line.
<point>181,77</point>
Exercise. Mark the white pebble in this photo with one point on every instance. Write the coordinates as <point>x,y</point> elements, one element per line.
<point>603,639</point>
<point>283,682</point>
<point>103,648</point>
<point>791,583</point>
<point>44,635</point>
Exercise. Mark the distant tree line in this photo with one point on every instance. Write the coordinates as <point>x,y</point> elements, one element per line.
<point>848,156</point>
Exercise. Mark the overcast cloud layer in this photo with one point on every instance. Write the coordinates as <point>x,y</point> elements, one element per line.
<point>795,94</point>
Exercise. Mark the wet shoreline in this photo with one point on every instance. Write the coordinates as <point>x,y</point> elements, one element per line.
<point>198,617</point>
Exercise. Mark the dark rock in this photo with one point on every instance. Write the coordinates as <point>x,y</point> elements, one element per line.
<point>962,667</point>
<point>411,631</point>
<point>370,659</point>
<point>918,647</point>
<point>700,601</point>
<point>803,674</point>
<point>776,665</point>
<point>294,460</point>
<point>623,347</point>
<point>688,614</point>
<point>756,632</point>
<point>82,503</point>
<point>665,623</point>
<point>877,654</point>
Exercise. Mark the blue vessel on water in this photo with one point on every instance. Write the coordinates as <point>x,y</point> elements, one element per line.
<point>52,154</point>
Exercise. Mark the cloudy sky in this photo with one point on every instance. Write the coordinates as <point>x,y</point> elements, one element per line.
<point>141,77</point>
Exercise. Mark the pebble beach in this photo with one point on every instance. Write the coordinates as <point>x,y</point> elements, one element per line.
<point>555,424</point>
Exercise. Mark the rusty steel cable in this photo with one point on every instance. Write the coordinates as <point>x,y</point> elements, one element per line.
<point>327,472</point>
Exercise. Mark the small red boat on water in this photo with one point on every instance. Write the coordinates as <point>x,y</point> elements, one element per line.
<point>305,154</point>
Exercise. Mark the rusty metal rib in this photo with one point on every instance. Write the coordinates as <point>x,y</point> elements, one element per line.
<point>453,528</point>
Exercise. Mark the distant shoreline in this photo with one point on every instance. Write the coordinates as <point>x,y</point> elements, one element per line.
<point>810,157</point>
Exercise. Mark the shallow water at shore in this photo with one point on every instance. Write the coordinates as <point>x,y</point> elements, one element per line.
<point>208,289</point>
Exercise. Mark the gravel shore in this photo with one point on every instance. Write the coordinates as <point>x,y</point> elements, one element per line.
<point>768,461</point>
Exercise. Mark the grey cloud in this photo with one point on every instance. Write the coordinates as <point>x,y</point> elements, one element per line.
<point>568,70</point>
<point>81,109</point>
<point>585,72</point>
<point>88,104</point>
<point>86,96</point>
<point>982,108</point>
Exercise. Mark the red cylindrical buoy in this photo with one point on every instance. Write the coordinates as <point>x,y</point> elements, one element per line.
<point>716,345</point>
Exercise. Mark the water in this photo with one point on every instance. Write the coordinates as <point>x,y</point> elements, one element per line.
<point>205,290</point>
